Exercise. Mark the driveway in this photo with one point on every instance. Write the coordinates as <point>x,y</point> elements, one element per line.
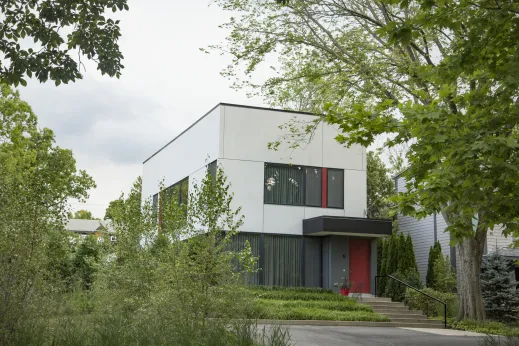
<point>372,336</point>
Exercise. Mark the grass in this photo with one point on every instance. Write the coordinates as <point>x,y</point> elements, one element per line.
<point>309,304</point>
<point>486,327</point>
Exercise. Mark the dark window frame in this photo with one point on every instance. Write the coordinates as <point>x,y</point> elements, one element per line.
<point>328,188</point>
<point>179,196</point>
<point>305,203</point>
<point>284,165</point>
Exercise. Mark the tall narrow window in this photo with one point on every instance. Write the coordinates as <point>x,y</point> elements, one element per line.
<point>155,205</point>
<point>212,169</point>
<point>335,188</point>
<point>284,184</point>
<point>313,186</point>
<point>184,186</point>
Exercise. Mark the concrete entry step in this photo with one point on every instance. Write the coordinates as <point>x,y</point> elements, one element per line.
<point>415,320</point>
<point>413,316</point>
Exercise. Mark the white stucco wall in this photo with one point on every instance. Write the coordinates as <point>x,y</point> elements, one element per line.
<point>238,138</point>
<point>186,154</point>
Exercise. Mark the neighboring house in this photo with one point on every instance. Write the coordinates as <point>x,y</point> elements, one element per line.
<point>304,208</point>
<point>97,228</point>
<point>425,232</point>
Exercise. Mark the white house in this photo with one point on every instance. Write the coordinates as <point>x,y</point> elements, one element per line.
<point>304,208</point>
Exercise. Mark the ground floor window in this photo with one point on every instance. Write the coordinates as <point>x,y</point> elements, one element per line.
<point>282,260</point>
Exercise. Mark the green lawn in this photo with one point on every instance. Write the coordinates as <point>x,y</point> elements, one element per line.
<point>309,304</point>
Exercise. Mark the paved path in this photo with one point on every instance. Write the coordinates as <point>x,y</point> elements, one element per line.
<point>373,336</point>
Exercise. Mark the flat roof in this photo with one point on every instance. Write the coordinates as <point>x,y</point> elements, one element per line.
<point>229,105</point>
<point>343,225</point>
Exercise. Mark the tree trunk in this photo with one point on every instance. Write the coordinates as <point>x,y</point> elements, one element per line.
<point>468,271</point>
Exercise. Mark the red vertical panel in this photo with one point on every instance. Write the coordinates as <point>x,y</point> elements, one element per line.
<point>324,189</point>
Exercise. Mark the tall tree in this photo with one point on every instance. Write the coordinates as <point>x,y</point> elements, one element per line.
<point>434,253</point>
<point>36,180</point>
<point>82,214</point>
<point>439,76</point>
<point>112,207</point>
<point>44,38</point>
<point>380,187</point>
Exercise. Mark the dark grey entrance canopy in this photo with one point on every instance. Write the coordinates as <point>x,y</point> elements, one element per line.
<point>341,225</point>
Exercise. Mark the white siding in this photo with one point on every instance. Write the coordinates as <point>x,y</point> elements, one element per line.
<point>246,179</point>
<point>443,237</point>
<point>495,238</point>
<point>238,137</point>
<point>188,153</point>
<point>283,219</point>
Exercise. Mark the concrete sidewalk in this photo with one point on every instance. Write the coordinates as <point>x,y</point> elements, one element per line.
<point>374,336</point>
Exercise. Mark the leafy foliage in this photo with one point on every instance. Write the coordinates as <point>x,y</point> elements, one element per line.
<point>444,275</point>
<point>380,187</point>
<point>82,214</point>
<point>429,306</point>
<point>112,207</point>
<point>500,291</point>
<point>436,76</point>
<point>36,179</point>
<point>42,38</point>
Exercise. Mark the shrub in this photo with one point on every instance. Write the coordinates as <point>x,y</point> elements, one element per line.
<point>284,311</point>
<point>434,252</point>
<point>292,289</point>
<point>430,307</point>
<point>294,295</point>
<point>396,291</point>
<point>499,289</point>
<point>346,305</point>
<point>444,275</point>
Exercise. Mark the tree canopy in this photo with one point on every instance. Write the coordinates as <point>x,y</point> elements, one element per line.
<point>81,214</point>
<point>440,77</point>
<point>47,39</point>
<point>380,187</point>
<point>37,178</point>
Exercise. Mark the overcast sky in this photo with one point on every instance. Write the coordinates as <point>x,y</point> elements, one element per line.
<point>113,125</point>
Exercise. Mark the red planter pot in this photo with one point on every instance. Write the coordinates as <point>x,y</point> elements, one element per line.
<point>345,291</point>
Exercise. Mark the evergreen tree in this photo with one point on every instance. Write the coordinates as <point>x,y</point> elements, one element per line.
<point>402,260</point>
<point>499,289</point>
<point>444,275</point>
<point>410,252</point>
<point>434,252</point>
<point>392,258</point>
<point>380,249</point>
<point>383,266</point>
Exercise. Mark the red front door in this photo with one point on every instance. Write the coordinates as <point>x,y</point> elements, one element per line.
<point>360,265</point>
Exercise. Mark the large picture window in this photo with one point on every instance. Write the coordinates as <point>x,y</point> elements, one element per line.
<point>335,188</point>
<point>284,184</point>
<point>303,186</point>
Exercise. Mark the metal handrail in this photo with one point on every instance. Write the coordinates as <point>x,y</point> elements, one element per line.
<point>417,290</point>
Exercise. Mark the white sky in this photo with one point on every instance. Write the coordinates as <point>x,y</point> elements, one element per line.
<point>113,125</point>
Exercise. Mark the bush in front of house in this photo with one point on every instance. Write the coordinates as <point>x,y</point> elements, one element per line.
<point>399,261</point>
<point>434,253</point>
<point>430,307</point>
<point>499,289</point>
<point>292,289</point>
<point>444,275</point>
